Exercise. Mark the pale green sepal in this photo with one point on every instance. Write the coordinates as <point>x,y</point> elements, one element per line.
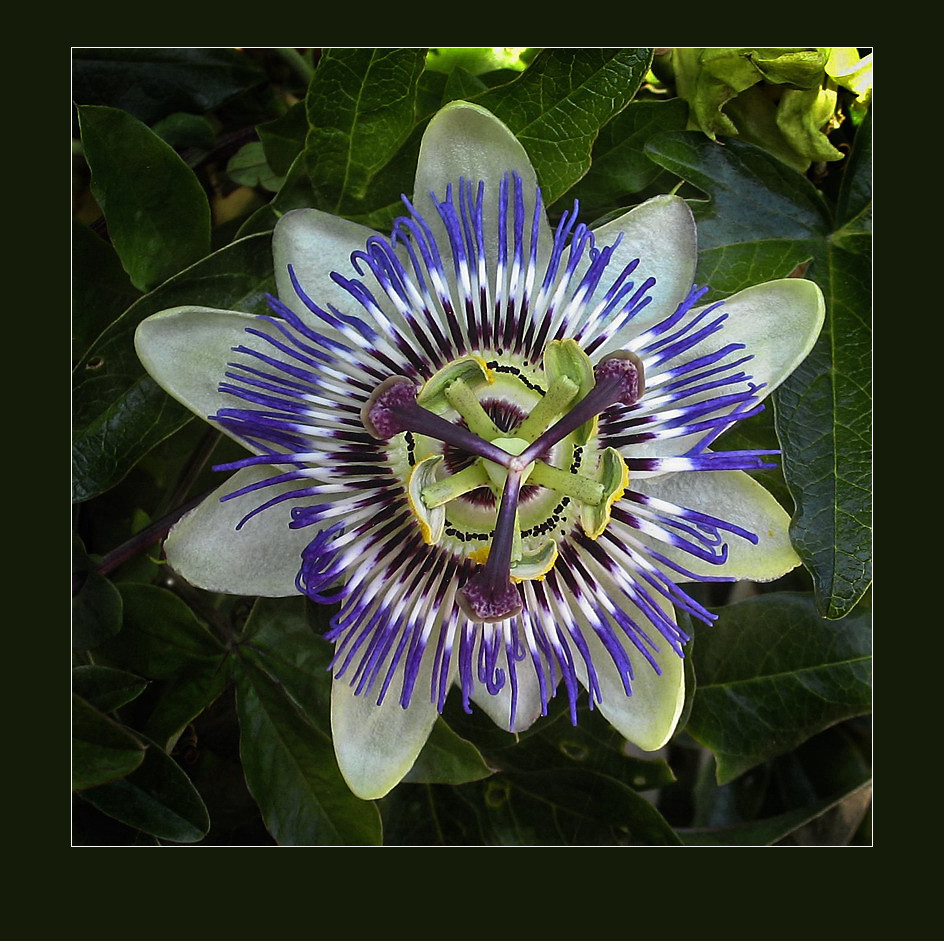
<point>315,244</point>
<point>563,359</point>
<point>613,476</point>
<point>647,718</point>
<point>778,322</point>
<point>661,234</point>
<point>498,707</point>
<point>733,496</point>
<point>186,351</point>
<point>432,521</point>
<point>464,140</point>
<point>262,558</point>
<point>469,369</point>
<point>377,745</point>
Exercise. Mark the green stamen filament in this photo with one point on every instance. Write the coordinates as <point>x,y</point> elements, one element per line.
<point>559,396</point>
<point>464,481</point>
<point>466,403</point>
<point>567,484</point>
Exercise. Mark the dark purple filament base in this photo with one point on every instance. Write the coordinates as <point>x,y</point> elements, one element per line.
<point>619,378</point>
<point>392,409</point>
<point>490,594</point>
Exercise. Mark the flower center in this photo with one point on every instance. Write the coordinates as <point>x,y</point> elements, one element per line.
<point>452,447</point>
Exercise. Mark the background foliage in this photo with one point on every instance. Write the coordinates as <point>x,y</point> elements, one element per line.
<point>202,718</point>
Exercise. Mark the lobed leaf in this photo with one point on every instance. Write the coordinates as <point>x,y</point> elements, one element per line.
<point>762,220</point>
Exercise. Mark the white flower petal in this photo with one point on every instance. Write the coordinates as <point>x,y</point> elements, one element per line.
<point>377,745</point>
<point>736,498</point>
<point>464,140</point>
<point>648,717</point>
<point>661,234</point>
<point>262,558</point>
<point>315,244</point>
<point>778,322</point>
<point>498,707</point>
<point>186,349</point>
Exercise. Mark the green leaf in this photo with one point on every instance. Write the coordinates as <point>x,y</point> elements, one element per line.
<point>157,213</point>
<point>762,220</point>
<point>182,131</point>
<point>105,688</point>
<point>102,750</point>
<point>284,138</point>
<point>292,772</point>
<point>558,105</point>
<point>160,635</point>
<point>770,830</point>
<point>361,111</point>
<point>461,86</point>
<point>447,758</point>
<point>248,167</point>
<point>157,798</point>
<point>152,83</point>
<point>823,419</point>
<point>620,166</point>
<point>854,208</point>
<point>96,612</point>
<point>570,808</point>
<point>771,674</point>
<point>120,412</point>
<point>195,687</point>
<point>590,745</point>
<point>101,289</point>
<point>284,645</point>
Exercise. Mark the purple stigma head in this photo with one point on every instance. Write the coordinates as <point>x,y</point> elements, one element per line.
<point>482,600</point>
<point>383,413</point>
<point>625,370</point>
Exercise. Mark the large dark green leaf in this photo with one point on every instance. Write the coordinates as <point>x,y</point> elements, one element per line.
<point>570,808</point>
<point>185,697</point>
<point>157,213</point>
<point>157,798</point>
<point>591,745</point>
<point>120,412</point>
<point>102,750</point>
<point>773,829</point>
<point>101,289</point>
<point>106,688</point>
<point>762,221</point>
<point>823,419</point>
<point>96,612</point>
<point>558,105</point>
<point>772,673</point>
<point>361,111</point>
<point>284,138</point>
<point>292,772</point>
<point>620,166</point>
<point>152,83</point>
<point>447,758</point>
<point>854,209</point>
<point>160,635</point>
<point>283,644</point>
